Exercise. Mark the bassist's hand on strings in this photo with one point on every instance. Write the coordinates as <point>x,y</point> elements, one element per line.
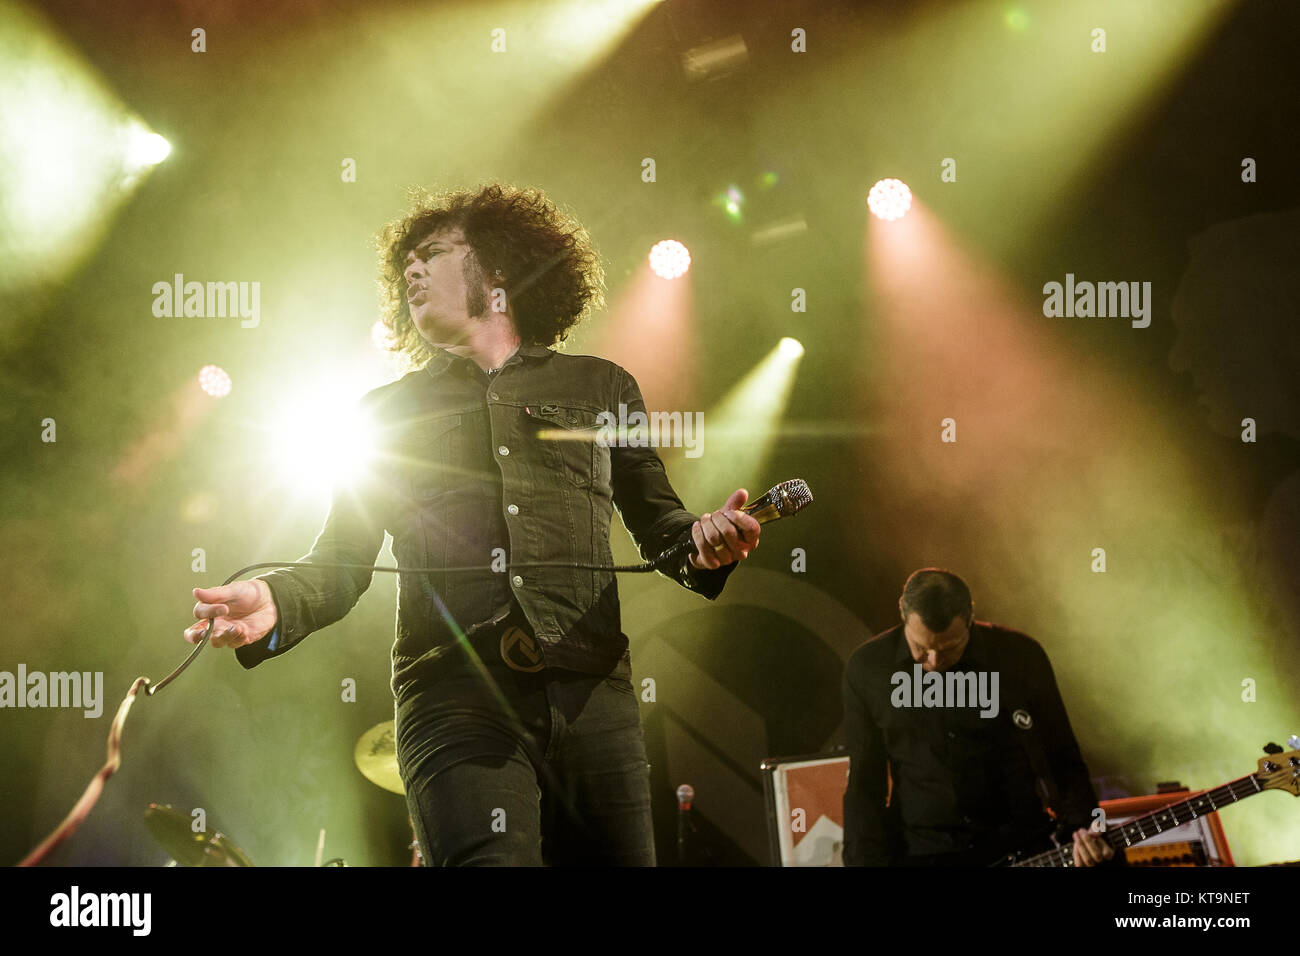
<point>1090,849</point>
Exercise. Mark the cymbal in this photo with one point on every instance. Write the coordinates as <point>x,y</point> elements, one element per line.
<point>172,830</point>
<point>376,757</point>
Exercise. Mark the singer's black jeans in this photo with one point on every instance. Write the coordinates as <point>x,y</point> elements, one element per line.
<point>553,774</point>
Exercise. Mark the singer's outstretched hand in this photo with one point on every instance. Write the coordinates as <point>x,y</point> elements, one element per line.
<point>725,535</point>
<point>245,613</point>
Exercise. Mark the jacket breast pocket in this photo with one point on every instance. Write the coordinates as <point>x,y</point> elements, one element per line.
<point>430,452</point>
<point>569,433</point>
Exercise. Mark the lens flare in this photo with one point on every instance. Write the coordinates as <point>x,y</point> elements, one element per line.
<point>731,201</point>
<point>322,440</point>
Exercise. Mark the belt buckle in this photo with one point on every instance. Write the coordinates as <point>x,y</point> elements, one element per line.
<point>520,651</point>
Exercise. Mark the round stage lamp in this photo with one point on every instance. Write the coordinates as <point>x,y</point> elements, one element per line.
<point>890,199</point>
<point>214,380</point>
<point>669,259</point>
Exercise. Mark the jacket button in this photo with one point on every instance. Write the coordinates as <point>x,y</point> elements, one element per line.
<point>517,581</point>
<point>502,450</point>
<point>513,509</point>
<point>494,396</point>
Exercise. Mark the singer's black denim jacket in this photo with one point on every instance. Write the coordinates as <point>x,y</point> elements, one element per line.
<point>470,464</point>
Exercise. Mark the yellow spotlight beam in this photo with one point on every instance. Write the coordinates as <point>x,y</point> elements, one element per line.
<point>739,432</point>
<point>70,154</point>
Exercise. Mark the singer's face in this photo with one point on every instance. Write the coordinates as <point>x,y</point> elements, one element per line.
<point>446,289</point>
<point>936,650</point>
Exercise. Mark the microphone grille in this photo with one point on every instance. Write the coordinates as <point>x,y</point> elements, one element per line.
<point>792,496</point>
<point>685,793</point>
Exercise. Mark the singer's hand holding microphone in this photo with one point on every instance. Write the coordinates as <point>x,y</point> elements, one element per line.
<point>728,535</point>
<point>724,536</point>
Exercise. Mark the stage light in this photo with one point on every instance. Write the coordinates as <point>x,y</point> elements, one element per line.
<point>144,148</point>
<point>321,441</point>
<point>890,199</point>
<point>214,380</point>
<point>648,309</point>
<point>669,259</point>
<point>380,336</point>
<point>790,348</point>
<point>63,162</point>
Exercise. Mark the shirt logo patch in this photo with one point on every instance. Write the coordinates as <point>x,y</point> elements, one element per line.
<point>1022,719</point>
<point>520,651</point>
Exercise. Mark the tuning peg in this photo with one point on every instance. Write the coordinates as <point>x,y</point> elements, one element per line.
<point>1272,749</point>
<point>1293,741</point>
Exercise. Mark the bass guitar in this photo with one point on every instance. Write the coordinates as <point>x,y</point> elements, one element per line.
<point>1277,771</point>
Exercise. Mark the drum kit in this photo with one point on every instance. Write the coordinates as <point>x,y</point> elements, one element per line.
<point>375,755</point>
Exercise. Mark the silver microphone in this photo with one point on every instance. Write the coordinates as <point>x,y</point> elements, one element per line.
<point>781,501</point>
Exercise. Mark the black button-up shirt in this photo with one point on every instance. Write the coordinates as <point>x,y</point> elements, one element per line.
<point>962,784</point>
<point>483,470</point>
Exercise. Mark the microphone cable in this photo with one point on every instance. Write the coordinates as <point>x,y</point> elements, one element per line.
<point>81,809</point>
<point>152,689</point>
<point>783,500</point>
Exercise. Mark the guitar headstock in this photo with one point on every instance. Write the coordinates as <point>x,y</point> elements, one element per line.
<point>1281,771</point>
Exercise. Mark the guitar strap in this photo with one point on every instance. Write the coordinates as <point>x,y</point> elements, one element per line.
<point>1029,735</point>
<point>1031,739</point>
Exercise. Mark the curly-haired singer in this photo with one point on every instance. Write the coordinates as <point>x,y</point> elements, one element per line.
<point>520,743</point>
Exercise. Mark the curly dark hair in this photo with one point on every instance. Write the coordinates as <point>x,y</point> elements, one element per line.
<point>554,278</point>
